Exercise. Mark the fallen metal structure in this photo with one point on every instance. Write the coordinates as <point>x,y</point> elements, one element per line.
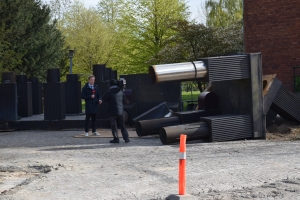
<point>153,126</point>
<point>236,86</point>
<point>279,100</point>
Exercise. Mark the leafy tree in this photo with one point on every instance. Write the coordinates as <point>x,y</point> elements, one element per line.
<point>31,43</point>
<point>110,10</point>
<point>85,32</point>
<point>144,26</point>
<point>223,12</point>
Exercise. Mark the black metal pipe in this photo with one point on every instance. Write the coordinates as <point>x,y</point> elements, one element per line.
<point>194,131</point>
<point>152,126</point>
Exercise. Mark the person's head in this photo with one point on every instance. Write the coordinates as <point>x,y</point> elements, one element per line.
<point>91,79</point>
<point>113,82</point>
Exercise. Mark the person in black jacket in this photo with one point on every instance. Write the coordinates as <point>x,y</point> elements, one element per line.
<point>115,97</point>
<point>90,93</point>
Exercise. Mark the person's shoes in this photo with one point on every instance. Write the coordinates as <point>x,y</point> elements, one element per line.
<point>114,141</point>
<point>126,141</point>
<point>86,134</point>
<point>95,133</point>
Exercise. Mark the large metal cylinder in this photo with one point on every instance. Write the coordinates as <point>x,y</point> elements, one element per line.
<point>194,131</point>
<point>152,126</point>
<point>178,71</point>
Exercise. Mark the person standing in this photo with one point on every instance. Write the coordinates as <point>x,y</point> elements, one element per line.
<point>115,97</point>
<point>90,93</point>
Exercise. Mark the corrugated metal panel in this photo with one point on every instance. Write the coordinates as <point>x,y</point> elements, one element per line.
<point>102,108</point>
<point>230,127</point>
<point>54,101</point>
<point>194,115</point>
<point>24,91</point>
<point>156,112</point>
<point>73,97</point>
<point>229,68</point>
<point>8,102</point>
<point>37,103</point>
<point>287,104</point>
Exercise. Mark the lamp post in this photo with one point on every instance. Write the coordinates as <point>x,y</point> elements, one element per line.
<point>71,55</point>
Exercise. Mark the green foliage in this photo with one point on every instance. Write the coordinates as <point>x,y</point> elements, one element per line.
<point>222,13</point>
<point>189,96</point>
<point>30,44</point>
<point>194,41</point>
<point>93,41</point>
<point>144,25</point>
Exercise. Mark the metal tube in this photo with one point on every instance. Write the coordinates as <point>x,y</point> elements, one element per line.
<point>178,71</point>
<point>194,131</point>
<point>152,126</point>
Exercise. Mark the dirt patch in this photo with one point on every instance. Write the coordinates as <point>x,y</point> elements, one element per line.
<point>12,177</point>
<point>283,130</point>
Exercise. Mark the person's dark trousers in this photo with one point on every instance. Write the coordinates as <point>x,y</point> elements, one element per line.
<point>87,118</point>
<point>114,128</point>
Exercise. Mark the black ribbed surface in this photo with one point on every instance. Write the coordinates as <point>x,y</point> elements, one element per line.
<point>102,108</point>
<point>54,101</point>
<point>287,104</point>
<point>21,78</point>
<point>156,112</point>
<point>8,77</point>
<point>229,68</point>
<point>8,102</point>
<point>73,97</point>
<point>230,127</point>
<point>194,115</point>
<point>99,72</point>
<point>72,78</point>
<point>37,102</point>
<point>114,74</point>
<point>53,75</point>
<point>24,90</point>
<point>108,74</point>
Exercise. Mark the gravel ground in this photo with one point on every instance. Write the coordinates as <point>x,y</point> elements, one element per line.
<point>55,165</point>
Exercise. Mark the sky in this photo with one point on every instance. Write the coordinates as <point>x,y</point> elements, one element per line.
<point>195,8</point>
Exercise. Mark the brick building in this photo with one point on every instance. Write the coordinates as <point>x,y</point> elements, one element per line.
<point>272,27</point>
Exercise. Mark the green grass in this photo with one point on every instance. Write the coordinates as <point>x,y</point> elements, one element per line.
<point>83,105</point>
<point>187,96</point>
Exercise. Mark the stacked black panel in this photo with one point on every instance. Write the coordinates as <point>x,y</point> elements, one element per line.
<point>114,74</point>
<point>24,90</point>
<point>54,96</point>
<point>8,102</point>
<point>108,76</point>
<point>287,104</point>
<point>99,72</point>
<point>102,108</point>
<point>229,127</point>
<point>8,77</point>
<point>37,101</point>
<point>73,95</point>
